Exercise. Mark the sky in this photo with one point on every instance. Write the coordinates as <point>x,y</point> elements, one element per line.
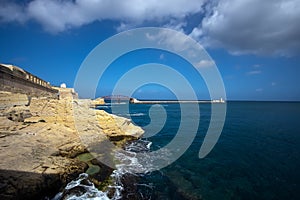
<point>255,44</point>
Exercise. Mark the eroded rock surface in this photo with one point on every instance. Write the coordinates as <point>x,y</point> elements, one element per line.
<point>40,142</point>
<point>9,99</point>
<point>98,101</point>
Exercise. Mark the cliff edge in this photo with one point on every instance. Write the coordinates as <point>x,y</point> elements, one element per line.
<point>41,139</point>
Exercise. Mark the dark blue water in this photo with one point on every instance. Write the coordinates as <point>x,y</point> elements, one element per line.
<point>256,157</point>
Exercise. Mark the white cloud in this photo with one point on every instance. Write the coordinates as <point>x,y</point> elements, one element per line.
<point>59,15</point>
<point>196,33</point>
<point>176,25</point>
<point>204,64</point>
<point>259,90</point>
<point>273,84</point>
<point>265,27</point>
<point>125,26</point>
<point>254,72</point>
<point>56,16</point>
<point>12,12</point>
<point>268,27</point>
<point>176,41</point>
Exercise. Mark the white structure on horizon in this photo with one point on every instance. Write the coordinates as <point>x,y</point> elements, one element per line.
<point>63,85</point>
<point>218,100</point>
<point>134,100</point>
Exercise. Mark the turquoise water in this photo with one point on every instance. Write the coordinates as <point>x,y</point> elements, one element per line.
<point>256,157</point>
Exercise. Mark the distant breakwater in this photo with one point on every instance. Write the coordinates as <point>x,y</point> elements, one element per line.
<point>135,101</point>
<point>168,102</point>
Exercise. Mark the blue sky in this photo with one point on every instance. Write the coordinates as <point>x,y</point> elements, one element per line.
<point>255,44</point>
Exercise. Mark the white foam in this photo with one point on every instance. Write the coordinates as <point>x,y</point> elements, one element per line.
<point>149,145</point>
<point>92,193</point>
<point>129,163</point>
<point>121,103</point>
<point>136,114</point>
<point>101,107</point>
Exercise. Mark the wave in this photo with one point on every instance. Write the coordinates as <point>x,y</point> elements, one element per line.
<point>81,189</point>
<point>103,106</point>
<point>121,103</point>
<point>127,170</point>
<point>136,114</point>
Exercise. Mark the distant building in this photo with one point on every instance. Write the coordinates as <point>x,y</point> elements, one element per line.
<point>218,101</point>
<point>63,85</point>
<point>66,93</point>
<point>134,100</point>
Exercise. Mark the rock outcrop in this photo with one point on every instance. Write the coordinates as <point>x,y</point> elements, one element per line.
<point>41,138</point>
<point>98,101</point>
<point>115,126</point>
<point>8,100</point>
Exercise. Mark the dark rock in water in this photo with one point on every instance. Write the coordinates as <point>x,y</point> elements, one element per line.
<point>130,190</point>
<point>77,190</point>
<point>105,171</point>
<point>129,187</point>
<point>183,187</point>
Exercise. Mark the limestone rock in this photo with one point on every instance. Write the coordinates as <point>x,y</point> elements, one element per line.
<point>98,101</point>
<point>53,111</point>
<point>38,158</point>
<point>115,126</point>
<point>66,93</point>
<point>39,148</point>
<point>34,119</point>
<point>17,113</point>
<point>102,122</point>
<point>8,99</point>
<point>5,124</point>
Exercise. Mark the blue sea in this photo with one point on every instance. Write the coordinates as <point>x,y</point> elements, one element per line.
<point>256,157</point>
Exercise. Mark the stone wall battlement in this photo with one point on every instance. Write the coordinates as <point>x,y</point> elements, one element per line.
<point>17,80</point>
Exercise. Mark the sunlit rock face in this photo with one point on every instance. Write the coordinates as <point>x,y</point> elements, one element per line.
<point>9,99</point>
<point>41,138</point>
<point>114,126</point>
<point>101,123</point>
<point>98,101</point>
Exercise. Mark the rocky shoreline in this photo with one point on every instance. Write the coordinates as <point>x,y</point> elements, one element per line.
<point>44,143</point>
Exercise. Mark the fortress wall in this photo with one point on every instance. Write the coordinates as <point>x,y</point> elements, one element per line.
<point>13,79</point>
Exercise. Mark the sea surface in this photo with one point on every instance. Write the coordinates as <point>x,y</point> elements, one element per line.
<point>256,157</point>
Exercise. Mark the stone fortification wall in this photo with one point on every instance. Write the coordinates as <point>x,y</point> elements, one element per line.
<point>66,93</point>
<point>16,80</point>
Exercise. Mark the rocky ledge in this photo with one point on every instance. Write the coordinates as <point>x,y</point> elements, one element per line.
<point>43,141</point>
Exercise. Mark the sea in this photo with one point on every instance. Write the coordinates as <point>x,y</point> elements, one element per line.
<point>257,155</point>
